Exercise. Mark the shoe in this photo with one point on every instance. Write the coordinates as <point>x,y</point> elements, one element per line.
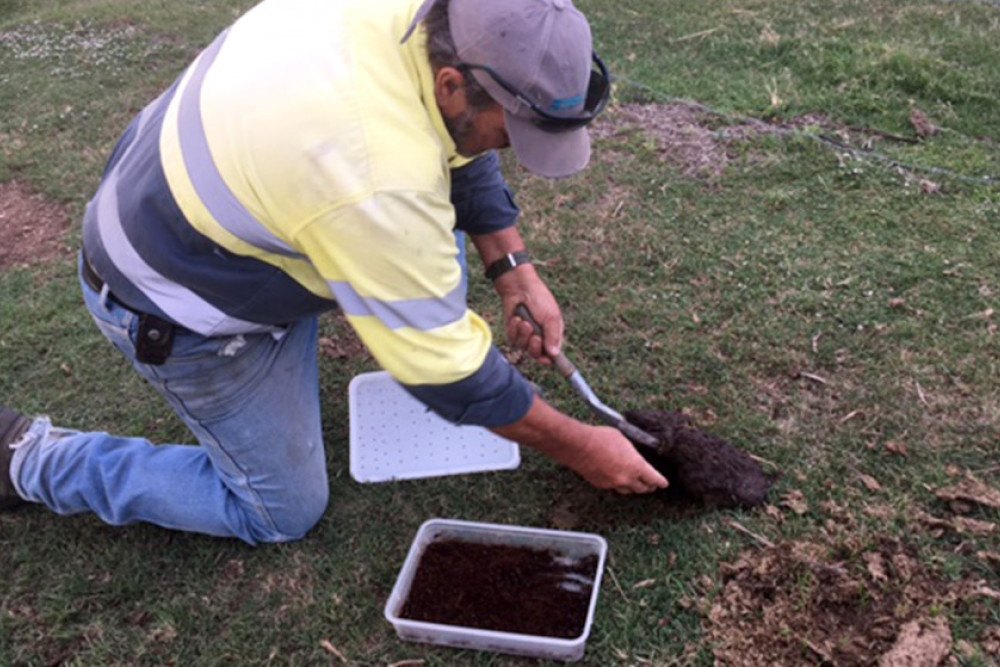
<point>12,427</point>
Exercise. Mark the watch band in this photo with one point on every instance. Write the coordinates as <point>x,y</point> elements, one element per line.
<point>506,263</point>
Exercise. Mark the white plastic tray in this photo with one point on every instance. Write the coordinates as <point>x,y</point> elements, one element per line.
<point>568,544</point>
<point>393,436</point>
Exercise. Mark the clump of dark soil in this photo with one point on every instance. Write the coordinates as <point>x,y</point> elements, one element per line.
<point>700,465</point>
<point>501,587</point>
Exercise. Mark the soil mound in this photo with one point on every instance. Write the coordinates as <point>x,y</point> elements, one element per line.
<point>700,465</point>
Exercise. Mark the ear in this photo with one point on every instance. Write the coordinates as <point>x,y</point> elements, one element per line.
<point>449,90</point>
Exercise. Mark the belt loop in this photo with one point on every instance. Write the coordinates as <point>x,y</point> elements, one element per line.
<point>105,296</point>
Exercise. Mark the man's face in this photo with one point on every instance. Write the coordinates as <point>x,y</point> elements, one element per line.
<point>477,131</point>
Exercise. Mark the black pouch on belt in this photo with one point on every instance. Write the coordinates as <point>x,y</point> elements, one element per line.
<point>155,341</point>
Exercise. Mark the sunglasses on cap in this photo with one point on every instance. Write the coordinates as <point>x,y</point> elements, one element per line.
<point>598,94</point>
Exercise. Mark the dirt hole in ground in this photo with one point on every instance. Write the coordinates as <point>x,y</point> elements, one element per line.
<point>801,603</point>
<point>32,228</point>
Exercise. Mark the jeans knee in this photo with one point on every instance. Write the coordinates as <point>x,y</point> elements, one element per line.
<point>310,512</point>
<point>301,515</point>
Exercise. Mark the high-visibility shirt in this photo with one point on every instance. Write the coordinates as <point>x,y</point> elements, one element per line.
<point>301,163</point>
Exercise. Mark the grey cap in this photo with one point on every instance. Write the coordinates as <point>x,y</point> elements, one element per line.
<point>542,48</point>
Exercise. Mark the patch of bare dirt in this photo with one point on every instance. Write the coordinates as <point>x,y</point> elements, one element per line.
<point>32,228</point>
<point>681,133</point>
<point>698,142</point>
<point>802,603</point>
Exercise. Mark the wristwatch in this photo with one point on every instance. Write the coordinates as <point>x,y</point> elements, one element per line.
<point>506,263</point>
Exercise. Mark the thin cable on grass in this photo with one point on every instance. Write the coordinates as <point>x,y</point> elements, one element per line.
<point>830,143</point>
<point>987,3</point>
<point>937,171</point>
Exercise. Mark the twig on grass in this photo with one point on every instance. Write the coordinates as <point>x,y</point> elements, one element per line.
<point>408,663</point>
<point>920,393</point>
<point>818,650</point>
<point>332,650</point>
<point>618,209</point>
<point>736,525</point>
<point>621,590</point>
<point>696,35</point>
<point>851,415</point>
<point>762,460</point>
<point>815,378</point>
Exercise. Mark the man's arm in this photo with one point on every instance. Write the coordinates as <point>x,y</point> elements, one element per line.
<point>599,454</point>
<point>522,285</point>
<point>485,209</point>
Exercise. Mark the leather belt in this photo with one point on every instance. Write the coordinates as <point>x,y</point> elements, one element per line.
<point>93,278</point>
<point>96,282</point>
<point>90,275</point>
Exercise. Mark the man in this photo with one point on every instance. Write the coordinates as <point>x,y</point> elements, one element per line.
<point>322,154</point>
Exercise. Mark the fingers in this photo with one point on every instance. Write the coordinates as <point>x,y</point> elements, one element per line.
<point>554,338</point>
<point>613,463</point>
<point>522,336</point>
<point>646,480</point>
<point>657,481</point>
<point>641,486</point>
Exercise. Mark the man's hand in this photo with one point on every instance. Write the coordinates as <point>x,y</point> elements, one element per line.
<point>524,286</point>
<point>600,454</point>
<point>609,461</point>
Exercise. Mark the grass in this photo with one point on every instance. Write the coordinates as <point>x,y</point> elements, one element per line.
<point>819,308</point>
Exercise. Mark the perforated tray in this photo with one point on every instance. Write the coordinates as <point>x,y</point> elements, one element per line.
<point>393,436</point>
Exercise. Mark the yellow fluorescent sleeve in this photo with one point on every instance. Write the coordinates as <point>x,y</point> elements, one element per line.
<point>447,354</point>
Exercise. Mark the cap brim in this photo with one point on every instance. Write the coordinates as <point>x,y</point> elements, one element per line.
<point>549,154</point>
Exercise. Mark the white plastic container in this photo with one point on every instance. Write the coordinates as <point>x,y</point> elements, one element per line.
<point>394,436</point>
<point>568,544</point>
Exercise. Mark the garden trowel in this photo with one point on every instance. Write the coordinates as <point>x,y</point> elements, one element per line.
<point>576,380</point>
<point>704,467</point>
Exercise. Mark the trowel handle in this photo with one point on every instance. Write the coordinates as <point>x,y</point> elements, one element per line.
<point>562,364</point>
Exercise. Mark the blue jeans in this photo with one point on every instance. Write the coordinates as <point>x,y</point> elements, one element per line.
<point>252,401</point>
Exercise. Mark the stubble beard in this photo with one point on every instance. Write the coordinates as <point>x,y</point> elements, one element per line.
<point>461,130</point>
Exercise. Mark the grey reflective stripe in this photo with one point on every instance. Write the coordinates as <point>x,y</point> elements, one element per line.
<point>178,303</point>
<point>420,314</point>
<point>208,182</point>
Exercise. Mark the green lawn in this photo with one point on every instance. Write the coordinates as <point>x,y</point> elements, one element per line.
<point>763,239</point>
